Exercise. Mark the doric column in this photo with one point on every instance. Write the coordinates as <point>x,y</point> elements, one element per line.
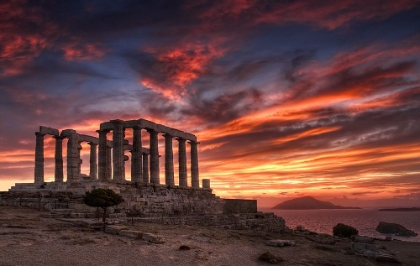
<point>182,159</point>
<point>58,175</point>
<point>118,150</point>
<point>154,157</point>
<point>39,158</point>
<point>195,182</point>
<point>108,163</point>
<point>169,161</point>
<point>93,162</point>
<point>73,158</point>
<point>102,155</point>
<point>206,183</point>
<point>146,168</point>
<point>136,163</point>
<point>79,165</point>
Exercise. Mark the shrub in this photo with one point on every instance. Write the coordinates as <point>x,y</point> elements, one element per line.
<point>344,230</point>
<point>102,198</point>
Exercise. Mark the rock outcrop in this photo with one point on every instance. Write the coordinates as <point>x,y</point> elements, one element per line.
<point>393,228</point>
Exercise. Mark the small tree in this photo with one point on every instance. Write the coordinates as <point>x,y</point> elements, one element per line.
<point>344,230</point>
<point>102,198</point>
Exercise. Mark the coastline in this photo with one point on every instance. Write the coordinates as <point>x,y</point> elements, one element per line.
<point>31,237</point>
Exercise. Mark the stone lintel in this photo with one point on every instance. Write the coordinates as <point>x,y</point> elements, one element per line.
<point>143,123</point>
<point>179,134</point>
<point>49,131</point>
<point>67,132</point>
<point>132,124</point>
<point>87,138</point>
<point>145,151</point>
<point>128,147</point>
<point>106,126</point>
<point>191,137</point>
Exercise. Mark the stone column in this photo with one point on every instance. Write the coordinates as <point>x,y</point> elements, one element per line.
<point>145,168</point>
<point>73,158</point>
<point>154,157</point>
<point>79,166</point>
<point>206,183</point>
<point>102,155</point>
<point>58,175</point>
<point>39,158</point>
<point>169,161</point>
<point>136,163</point>
<point>92,160</point>
<point>195,182</point>
<point>118,150</point>
<point>108,165</point>
<point>182,159</point>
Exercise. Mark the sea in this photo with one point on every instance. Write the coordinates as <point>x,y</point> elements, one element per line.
<point>364,220</point>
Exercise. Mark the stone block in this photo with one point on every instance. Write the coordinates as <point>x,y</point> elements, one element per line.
<point>280,243</point>
<point>131,234</point>
<point>152,238</point>
<point>114,229</point>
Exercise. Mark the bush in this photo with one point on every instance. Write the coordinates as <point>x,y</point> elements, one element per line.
<point>102,198</point>
<point>344,230</point>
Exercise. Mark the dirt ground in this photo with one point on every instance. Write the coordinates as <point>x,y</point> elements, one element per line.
<point>27,238</point>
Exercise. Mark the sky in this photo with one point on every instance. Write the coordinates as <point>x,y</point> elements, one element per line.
<point>287,98</point>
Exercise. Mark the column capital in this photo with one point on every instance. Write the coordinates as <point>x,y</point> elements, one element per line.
<point>39,134</point>
<point>193,142</point>
<point>92,144</point>
<point>103,131</point>
<point>59,137</point>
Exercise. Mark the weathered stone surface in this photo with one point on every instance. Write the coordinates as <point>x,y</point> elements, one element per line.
<point>48,131</point>
<point>280,243</point>
<point>363,239</point>
<point>131,234</point>
<point>239,206</point>
<point>393,228</point>
<point>152,238</point>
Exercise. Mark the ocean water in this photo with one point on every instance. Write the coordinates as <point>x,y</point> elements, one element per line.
<point>364,220</point>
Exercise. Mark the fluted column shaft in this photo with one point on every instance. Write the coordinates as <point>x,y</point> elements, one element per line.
<point>108,164</point>
<point>182,159</point>
<point>102,155</point>
<point>58,173</point>
<point>73,158</point>
<point>39,158</point>
<point>195,182</point>
<point>145,168</point>
<point>169,161</point>
<point>92,161</point>
<point>118,150</point>
<point>136,163</point>
<point>154,157</point>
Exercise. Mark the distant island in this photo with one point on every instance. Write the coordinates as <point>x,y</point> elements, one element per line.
<point>413,209</point>
<point>308,203</point>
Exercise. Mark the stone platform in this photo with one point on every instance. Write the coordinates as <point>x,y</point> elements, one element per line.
<point>145,203</point>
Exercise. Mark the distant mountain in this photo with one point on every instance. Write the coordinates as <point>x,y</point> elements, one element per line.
<point>308,203</point>
<point>413,209</point>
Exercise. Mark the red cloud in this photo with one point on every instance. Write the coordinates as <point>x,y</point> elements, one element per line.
<point>176,67</point>
<point>79,50</point>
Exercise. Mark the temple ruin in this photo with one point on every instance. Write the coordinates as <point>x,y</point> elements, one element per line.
<point>142,159</point>
<point>144,196</point>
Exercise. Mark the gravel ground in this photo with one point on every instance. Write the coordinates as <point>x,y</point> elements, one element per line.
<point>26,238</point>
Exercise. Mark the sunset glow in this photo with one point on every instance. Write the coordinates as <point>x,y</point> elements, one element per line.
<point>287,98</point>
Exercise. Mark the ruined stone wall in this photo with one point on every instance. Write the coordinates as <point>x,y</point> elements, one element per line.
<point>147,203</point>
<point>146,200</point>
<point>239,206</point>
